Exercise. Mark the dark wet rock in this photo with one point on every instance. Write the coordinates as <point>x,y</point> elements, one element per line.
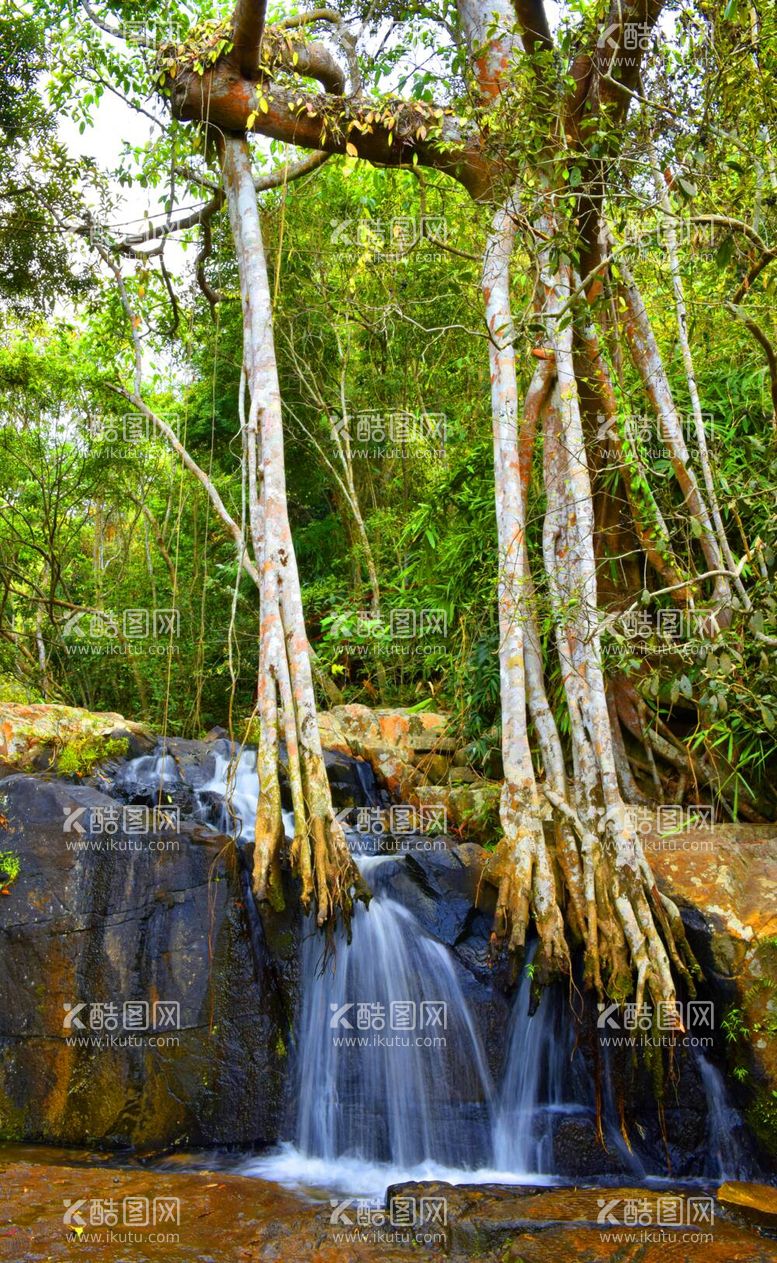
<point>351,781</point>
<point>131,923</point>
<point>532,1224</point>
<point>441,884</point>
<point>433,886</point>
<point>577,1151</point>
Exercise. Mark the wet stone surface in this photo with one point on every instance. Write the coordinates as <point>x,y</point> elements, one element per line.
<point>206,1215</point>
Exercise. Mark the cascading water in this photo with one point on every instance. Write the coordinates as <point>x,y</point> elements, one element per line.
<point>390,1064</point>
<point>390,1080</point>
<point>539,1053</point>
<point>236,783</point>
<point>724,1127</point>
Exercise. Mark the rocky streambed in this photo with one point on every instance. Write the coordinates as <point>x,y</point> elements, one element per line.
<point>54,1206</point>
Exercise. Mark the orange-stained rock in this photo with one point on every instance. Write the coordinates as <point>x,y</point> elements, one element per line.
<point>757,1202</point>
<point>236,1219</point>
<point>403,747</point>
<point>728,874</point>
<point>37,734</point>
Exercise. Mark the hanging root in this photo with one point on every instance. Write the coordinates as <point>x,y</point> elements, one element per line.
<point>651,923</point>
<point>633,935</point>
<point>330,880</point>
<point>319,856</point>
<point>522,870</point>
<point>338,883</point>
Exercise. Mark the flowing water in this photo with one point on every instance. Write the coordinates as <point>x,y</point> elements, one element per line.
<point>724,1127</point>
<point>390,1077</point>
<point>535,1083</point>
<point>390,1069</point>
<point>235,781</point>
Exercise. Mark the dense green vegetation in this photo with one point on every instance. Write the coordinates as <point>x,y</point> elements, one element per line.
<point>99,517</point>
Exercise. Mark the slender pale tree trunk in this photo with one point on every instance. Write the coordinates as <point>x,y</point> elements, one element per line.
<point>286,702</point>
<point>647,360</point>
<point>629,911</point>
<point>526,881</point>
<point>681,312</point>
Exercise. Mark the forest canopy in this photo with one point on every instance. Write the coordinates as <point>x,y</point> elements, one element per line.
<point>463,314</point>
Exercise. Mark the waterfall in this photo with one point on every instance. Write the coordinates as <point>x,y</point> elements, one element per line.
<point>390,1064</point>
<point>536,1072</point>
<point>726,1160</point>
<point>389,1079</point>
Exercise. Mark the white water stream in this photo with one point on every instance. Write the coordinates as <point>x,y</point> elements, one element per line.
<point>390,1078</point>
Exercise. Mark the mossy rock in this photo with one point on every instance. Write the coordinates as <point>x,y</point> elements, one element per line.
<point>66,738</point>
<point>80,757</point>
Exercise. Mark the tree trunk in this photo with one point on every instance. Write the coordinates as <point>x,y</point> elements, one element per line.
<point>286,702</point>
<point>521,864</point>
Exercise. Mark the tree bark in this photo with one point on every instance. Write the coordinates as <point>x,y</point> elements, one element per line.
<point>286,702</point>
<point>521,864</point>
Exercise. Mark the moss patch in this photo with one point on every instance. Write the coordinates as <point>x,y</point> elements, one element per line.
<point>10,867</point>
<point>79,757</point>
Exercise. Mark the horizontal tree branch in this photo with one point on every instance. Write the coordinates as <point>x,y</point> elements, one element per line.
<point>290,171</point>
<point>392,133</point>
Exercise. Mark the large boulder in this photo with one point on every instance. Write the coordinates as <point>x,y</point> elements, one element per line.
<point>94,922</point>
<point>393,741</point>
<point>723,880</point>
<point>41,735</point>
<point>412,753</point>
